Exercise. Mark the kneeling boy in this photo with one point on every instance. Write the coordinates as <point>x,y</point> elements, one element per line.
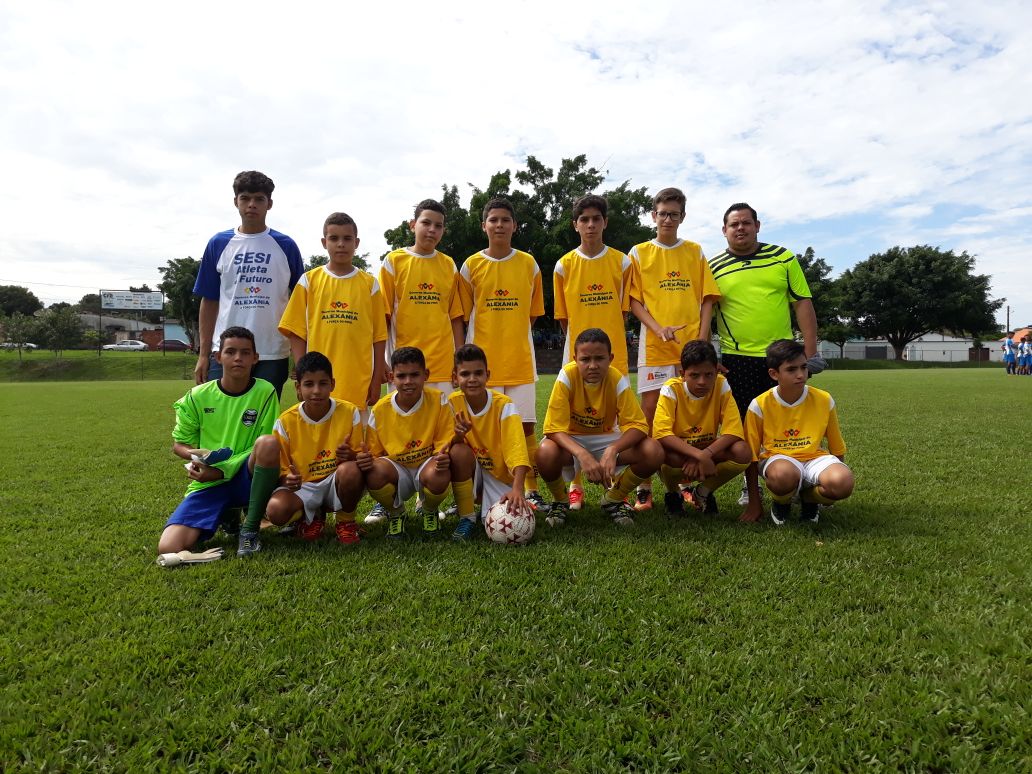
<point>786,427</point>
<point>488,451</point>
<point>698,425</point>
<point>406,448</point>
<point>234,412</point>
<point>594,424</point>
<point>318,440</point>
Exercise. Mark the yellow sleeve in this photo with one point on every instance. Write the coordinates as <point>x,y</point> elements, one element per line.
<point>295,315</point>
<point>559,296</point>
<point>455,302</point>
<point>376,447</point>
<point>465,290</point>
<point>388,290</point>
<point>628,410</point>
<point>284,450</point>
<point>445,427</point>
<point>514,443</point>
<point>707,283</point>
<point>537,298</point>
<point>753,431</point>
<point>836,443</point>
<point>666,408</point>
<point>557,415</point>
<point>625,286</point>
<point>635,290</point>
<point>730,420</point>
<point>379,312</point>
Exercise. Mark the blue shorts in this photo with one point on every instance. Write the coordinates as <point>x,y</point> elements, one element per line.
<point>203,509</point>
<point>1008,358</point>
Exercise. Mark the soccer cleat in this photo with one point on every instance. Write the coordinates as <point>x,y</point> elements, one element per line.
<point>347,533</point>
<point>744,499</point>
<point>396,525</point>
<point>248,545</point>
<point>451,510</point>
<point>229,520</point>
<point>431,524</point>
<point>643,500</point>
<point>557,514</point>
<point>673,504</point>
<point>536,501</point>
<point>311,530</point>
<point>711,509</point>
<point>692,498</point>
<point>576,498</point>
<point>779,512</point>
<point>811,512</point>
<point>620,512</point>
<point>376,515</point>
<point>290,530</point>
<point>464,530</point>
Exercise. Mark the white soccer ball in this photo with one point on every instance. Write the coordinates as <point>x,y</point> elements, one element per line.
<point>508,528</point>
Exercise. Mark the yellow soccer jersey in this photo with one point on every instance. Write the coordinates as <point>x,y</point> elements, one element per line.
<point>311,446</point>
<point>342,317</point>
<point>592,409</point>
<point>594,293</point>
<point>697,421</point>
<point>499,296</point>
<point>421,296</point>
<point>671,282</point>
<point>497,437</point>
<point>775,427</point>
<point>410,438</point>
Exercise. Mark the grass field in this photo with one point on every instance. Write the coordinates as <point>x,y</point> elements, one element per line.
<point>896,635</point>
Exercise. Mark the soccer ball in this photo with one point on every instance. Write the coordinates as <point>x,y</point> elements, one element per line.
<point>512,528</point>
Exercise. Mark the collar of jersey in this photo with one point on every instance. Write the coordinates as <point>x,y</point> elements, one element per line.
<point>309,420</point>
<point>413,253</point>
<point>351,273</point>
<point>586,257</point>
<point>400,410</point>
<point>786,404</point>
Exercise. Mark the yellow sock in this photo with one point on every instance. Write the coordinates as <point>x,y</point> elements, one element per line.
<point>671,477</point>
<point>530,483</point>
<point>384,495</point>
<point>463,491</point>
<point>578,480</point>
<point>784,499</point>
<point>725,472</point>
<point>813,494</point>
<point>432,501</point>
<point>342,517</point>
<point>558,490</point>
<point>625,482</point>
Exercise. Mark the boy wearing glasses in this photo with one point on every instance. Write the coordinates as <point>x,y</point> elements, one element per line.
<point>672,294</point>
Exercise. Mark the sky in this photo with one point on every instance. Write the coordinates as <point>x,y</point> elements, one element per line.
<point>851,127</point>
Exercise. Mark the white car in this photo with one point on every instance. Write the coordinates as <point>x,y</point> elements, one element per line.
<point>24,345</point>
<point>129,345</point>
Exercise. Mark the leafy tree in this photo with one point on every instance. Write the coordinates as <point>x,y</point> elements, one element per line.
<point>151,316</point>
<point>60,329</point>
<point>837,333</point>
<point>359,261</point>
<point>89,304</point>
<point>20,329</point>
<point>60,305</point>
<point>906,292</point>
<point>15,298</point>
<point>817,272</point>
<point>177,283</point>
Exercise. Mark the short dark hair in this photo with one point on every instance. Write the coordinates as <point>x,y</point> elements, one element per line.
<point>696,351</point>
<point>669,195</point>
<point>590,200</point>
<point>593,336</point>
<point>498,203</point>
<point>403,355</point>
<point>236,332</point>
<point>430,204</point>
<point>469,353</point>
<point>310,362</point>
<point>783,350</point>
<point>253,182</point>
<point>339,219</point>
<point>741,206</point>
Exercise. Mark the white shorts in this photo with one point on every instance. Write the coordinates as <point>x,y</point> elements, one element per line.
<point>490,488</point>
<point>653,377</point>
<point>596,446</point>
<point>317,497</point>
<point>809,472</point>
<point>523,397</point>
<point>408,480</point>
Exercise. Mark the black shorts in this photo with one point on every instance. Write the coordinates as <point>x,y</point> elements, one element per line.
<point>747,377</point>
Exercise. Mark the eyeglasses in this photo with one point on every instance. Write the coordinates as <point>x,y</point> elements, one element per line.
<point>667,215</point>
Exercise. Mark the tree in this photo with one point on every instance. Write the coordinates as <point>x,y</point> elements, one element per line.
<point>89,304</point>
<point>177,283</point>
<point>20,329</point>
<point>15,298</point>
<point>906,292</point>
<point>60,329</point>
<point>817,272</point>
<point>60,305</point>
<point>358,261</point>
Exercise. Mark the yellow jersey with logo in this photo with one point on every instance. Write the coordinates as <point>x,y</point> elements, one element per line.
<point>499,296</point>
<point>796,430</point>
<point>579,408</point>
<point>341,316</point>
<point>594,293</point>
<point>671,282</point>
<point>421,295</point>
<point>410,437</point>
<point>497,438</point>
<point>697,421</point>
<point>311,445</point>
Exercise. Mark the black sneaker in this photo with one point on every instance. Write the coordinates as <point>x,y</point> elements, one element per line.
<point>811,512</point>
<point>711,509</point>
<point>229,520</point>
<point>558,513</point>
<point>396,525</point>
<point>621,512</point>
<point>431,524</point>
<point>779,512</point>
<point>673,504</point>
<point>536,501</point>
<point>248,544</point>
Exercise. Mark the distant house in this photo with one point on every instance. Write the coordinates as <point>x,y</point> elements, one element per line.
<point>932,347</point>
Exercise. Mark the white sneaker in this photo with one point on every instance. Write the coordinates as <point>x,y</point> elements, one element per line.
<point>375,516</point>
<point>744,499</point>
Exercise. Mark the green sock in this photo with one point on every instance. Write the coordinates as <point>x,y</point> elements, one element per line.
<point>263,482</point>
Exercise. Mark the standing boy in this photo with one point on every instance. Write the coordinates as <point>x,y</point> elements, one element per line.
<point>319,439</point>
<point>786,428</point>
<point>594,424</point>
<point>245,279</point>
<point>672,292</point>
<point>1009,357</point>
<point>338,310</point>
<point>501,297</point>
<point>489,450</point>
<point>698,426</point>
<point>591,289</point>
<point>235,412</point>
<point>406,449</point>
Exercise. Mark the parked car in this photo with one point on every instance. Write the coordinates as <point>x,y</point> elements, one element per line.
<point>129,345</point>
<point>173,345</point>
<point>24,345</point>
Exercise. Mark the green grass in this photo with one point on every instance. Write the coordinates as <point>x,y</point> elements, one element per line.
<point>87,365</point>
<point>895,635</point>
